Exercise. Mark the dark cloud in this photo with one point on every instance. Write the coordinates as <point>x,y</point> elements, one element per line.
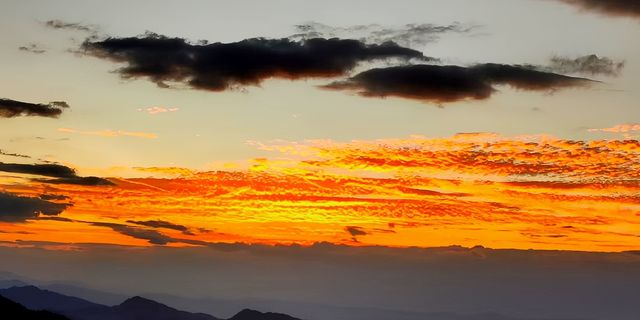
<point>61,219</point>
<point>424,192</point>
<point>47,170</point>
<point>14,208</point>
<point>81,181</point>
<point>588,65</point>
<point>59,24</point>
<point>12,108</point>
<point>223,66</point>
<point>61,174</point>
<point>33,48</point>
<point>162,224</point>
<point>53,197</point>
<point>16,232</point>
<point>629,8</point>
<point>355,231</point>
<point>441,84</point>
<point>154,237</point>
<point>406,35</point>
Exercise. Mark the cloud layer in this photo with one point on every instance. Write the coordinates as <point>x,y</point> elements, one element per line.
<point>508,192</point>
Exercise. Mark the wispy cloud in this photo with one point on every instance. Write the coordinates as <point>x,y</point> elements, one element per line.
<point>620,128</point>
<point>628,130</point>
<point>75,26</point>
<point>13,154</point>
<point>407,35</point>
<point>32,48</point>
<point>111,133</point>
<point>157,110</point>
<point>589,65</point>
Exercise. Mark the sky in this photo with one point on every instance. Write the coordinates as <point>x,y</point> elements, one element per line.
<point>503,124</point>
<point>415,156</point>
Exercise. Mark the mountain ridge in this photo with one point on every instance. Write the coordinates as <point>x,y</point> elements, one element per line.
<point>133,308</point>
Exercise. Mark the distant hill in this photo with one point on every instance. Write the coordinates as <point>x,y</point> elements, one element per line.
<point>136,308</point>
<point>12,283</point>
<point>11,310</point>
<point>75,290</point>
<point>248,314</point>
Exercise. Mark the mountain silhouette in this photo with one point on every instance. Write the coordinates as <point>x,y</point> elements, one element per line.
<point>135,308</point>
<point>35,298</point>
<point>139,308</point>
<point>11,310</point>
<point>248,314</point>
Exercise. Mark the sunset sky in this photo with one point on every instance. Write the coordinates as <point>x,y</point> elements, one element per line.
<point>495,123</point>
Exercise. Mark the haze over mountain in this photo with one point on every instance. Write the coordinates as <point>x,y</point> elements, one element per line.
<point>139,308</point>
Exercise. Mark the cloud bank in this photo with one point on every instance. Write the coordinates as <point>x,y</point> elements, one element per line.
<point>223,66</point>
<point>468,189</point>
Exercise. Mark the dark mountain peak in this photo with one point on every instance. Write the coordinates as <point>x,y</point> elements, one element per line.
<point>142,308</point>
<point>140,301</point>
<point>249,314</point>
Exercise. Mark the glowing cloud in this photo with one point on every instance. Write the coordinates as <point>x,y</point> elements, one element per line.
<point>524,192</point>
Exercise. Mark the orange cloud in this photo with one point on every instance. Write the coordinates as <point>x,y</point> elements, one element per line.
<point>505,192</point>
<point>619,128</point>
<point>626,130</point>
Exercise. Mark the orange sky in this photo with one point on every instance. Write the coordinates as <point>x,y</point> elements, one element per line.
<point>469,189</point>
